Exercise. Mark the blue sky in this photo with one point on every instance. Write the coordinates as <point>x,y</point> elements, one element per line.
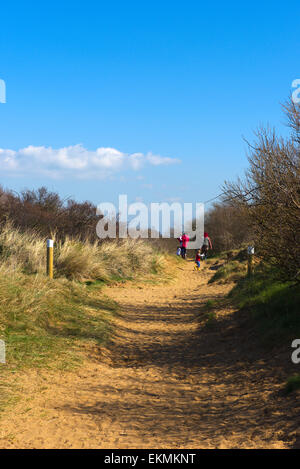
<point>167,88</point>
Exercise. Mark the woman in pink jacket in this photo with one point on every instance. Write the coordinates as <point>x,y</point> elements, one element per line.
<point>184,239</point>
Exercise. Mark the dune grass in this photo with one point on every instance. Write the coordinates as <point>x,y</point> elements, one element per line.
<point>78,260</point>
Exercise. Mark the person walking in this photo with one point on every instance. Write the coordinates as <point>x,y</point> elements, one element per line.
<point>184,239</point>
<point>207,245</point>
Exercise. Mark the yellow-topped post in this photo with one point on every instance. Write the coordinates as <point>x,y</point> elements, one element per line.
<point>50,258</point>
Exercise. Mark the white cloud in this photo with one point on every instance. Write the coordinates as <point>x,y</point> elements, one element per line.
<point>158,160</point>
<point>75,161</point>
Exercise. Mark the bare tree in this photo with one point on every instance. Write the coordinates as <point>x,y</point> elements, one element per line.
<point>270,194</point>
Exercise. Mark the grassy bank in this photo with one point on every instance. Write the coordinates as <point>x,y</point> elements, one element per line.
<point>47,323</point>
<point>42,321</point>
<point>272,303</point>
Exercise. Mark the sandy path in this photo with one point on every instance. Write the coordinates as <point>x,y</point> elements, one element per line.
<point>166,381</point>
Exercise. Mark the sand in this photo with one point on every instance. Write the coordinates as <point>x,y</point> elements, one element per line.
<point>166,380</point>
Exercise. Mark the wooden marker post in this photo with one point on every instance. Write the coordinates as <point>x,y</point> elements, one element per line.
<point>50,258</point>
<point>250,251</point>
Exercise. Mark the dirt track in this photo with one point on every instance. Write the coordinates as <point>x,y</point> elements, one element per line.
<point>166,381</point>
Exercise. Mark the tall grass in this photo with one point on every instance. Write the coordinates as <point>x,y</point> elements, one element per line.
<point>78,260</point>
<point>116,259</point>
<point>21,251</point>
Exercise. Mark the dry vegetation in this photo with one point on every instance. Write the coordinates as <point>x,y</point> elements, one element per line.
<point>75,259</point>
<point>269,196</point>
<point>228,227</point>
<point>45,213</point>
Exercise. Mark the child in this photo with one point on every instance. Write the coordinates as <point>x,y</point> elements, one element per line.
<point>198,259</point>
